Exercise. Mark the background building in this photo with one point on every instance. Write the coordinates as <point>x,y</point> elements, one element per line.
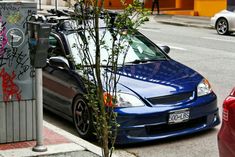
<point>180,7</point>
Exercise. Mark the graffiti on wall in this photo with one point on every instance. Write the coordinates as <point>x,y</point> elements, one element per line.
<point>3,37</point>
<point>9,88</point>
<point>15,68</point>
<point>16,60</point>
<point>13,18</point>
<point>11,12</point>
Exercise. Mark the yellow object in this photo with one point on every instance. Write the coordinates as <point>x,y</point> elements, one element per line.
<point>184,4</point>
<point>178,7</point>
<point>209,7</point>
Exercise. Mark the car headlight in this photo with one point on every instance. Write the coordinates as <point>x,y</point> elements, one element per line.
<point>128,100</point>
<point>122,100</point>
<point>204,88</point>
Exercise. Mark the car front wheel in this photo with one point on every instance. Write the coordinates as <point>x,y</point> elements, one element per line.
<point>82,118</point>
<point>222,26</point>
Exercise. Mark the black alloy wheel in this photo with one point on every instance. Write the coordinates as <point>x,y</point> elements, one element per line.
<point>222,26</point>
<point>82,118</point>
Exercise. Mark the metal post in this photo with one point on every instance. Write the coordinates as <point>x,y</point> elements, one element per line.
<point>40,5</point>
<point>39,120</point>
<point>56,4</point>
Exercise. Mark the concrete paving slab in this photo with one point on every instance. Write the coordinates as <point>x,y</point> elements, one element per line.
<point>52,150</point>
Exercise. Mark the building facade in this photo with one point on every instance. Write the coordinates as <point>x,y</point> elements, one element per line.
<point>180,7</point>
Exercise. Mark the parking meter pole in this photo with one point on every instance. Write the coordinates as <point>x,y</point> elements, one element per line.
<point>56,4</point>
<point>39,32</point>
<point>39,120</point>
<point>40,5</point>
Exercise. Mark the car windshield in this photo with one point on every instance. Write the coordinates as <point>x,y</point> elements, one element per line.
<point>140,49</point>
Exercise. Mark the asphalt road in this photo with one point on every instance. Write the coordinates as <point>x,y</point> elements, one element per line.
<point>208,53</point>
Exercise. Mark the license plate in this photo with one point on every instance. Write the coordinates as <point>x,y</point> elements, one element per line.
<point>178,116</point>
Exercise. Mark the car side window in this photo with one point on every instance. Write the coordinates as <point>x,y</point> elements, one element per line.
<point>55,47</point>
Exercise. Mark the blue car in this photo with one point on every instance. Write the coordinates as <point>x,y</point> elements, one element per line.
<point>158,97</point>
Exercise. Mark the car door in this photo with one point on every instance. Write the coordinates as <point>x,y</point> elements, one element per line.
<point>59,83</point>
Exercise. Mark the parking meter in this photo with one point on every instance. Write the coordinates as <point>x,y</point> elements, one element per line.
<point>39,32</point>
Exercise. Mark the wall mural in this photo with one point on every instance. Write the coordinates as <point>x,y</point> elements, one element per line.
<point>16,73</point>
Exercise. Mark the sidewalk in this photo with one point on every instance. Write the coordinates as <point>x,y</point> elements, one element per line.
<point>59,143</point>
<point>181,20</point>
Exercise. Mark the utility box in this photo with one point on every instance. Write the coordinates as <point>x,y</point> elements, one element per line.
<point>17,81</point>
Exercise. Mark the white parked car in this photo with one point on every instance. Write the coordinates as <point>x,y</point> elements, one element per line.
<point>224,22</point>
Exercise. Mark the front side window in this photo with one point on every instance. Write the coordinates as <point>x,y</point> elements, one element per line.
<point>55,47</point>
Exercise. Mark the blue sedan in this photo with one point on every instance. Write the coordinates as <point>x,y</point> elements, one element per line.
<point>158,97</point>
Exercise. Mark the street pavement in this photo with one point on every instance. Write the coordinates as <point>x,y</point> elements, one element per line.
<point>63,144</point>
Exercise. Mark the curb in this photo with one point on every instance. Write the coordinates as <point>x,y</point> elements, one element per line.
<point>184,24</point>
<point>177,21</point>
<point>85,144</point>
<point>62,150</point>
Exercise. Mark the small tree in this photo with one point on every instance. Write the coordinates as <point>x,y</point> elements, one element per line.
<point>103,33</point>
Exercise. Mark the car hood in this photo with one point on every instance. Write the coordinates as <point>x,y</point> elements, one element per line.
<point>158,78</point>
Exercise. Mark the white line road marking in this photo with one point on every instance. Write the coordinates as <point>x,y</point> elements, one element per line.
<point>149,30</point>
<point>178,48</point>
<point>212,38</point>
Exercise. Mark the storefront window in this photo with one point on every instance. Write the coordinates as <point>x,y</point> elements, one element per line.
<point>231,5</point>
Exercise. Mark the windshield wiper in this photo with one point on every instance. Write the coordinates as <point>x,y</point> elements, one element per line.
<point>138,61</point>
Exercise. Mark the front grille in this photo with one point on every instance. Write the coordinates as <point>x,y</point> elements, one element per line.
<point>165,128</point>
<point>170,99</point>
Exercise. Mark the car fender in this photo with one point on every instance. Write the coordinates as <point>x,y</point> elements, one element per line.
<point>229,16</point>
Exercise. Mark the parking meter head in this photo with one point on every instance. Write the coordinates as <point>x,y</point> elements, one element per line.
<point>38,41</point>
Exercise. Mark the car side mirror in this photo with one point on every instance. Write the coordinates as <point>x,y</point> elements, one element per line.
<point>166,49</point>
<point>60,62</point>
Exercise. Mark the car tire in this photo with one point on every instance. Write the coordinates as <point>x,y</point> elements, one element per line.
<point>222,27</point>
<point>82,118</point>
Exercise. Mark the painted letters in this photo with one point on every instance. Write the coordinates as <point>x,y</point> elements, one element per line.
<point>9,88</point>
<point>3,37</point>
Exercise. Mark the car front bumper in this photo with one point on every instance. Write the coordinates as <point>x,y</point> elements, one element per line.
<point>213,22</point>
<point>153,124</point>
